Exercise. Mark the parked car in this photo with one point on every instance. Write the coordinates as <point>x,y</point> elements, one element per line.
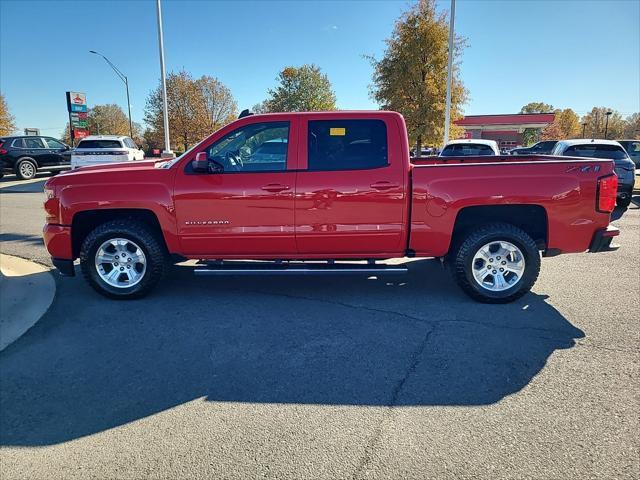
<point>343,189</point>
<point>541,148</point>
<point>101,149</point>
<point>609,149</point>
<point>633,150</point>
<point>424,152</point>
<point>27,155</point>
<point>470,147</point>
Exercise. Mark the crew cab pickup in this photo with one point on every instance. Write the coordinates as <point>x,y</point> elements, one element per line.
<point>326,193</point>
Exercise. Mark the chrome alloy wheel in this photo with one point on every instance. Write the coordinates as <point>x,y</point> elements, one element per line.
<point>120,263</point>
<point>498,265</point>
<point>27,169</point>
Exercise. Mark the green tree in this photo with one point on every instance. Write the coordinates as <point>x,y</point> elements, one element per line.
<point>531,136</point>
<point>537,107</point>
<point>411,76</point>
<point>7,123</point>
<point>300,89</point>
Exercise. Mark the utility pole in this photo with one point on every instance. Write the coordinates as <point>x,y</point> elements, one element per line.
<point>167,153</point>
<point>584,125</point>
<point>447,113</point>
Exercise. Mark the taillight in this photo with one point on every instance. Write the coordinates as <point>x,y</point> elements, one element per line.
<point>606,194</point>
<point>2,150</point>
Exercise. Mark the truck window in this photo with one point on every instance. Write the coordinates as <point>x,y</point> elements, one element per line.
<point>347,144</point>
<point>258,147</point>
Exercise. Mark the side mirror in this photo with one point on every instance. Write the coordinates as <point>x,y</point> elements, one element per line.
<point>201,163</point>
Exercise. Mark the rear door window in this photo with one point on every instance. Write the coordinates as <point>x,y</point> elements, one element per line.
<point>347,144</point>
<point>34,143</point>
<point>97,144</point>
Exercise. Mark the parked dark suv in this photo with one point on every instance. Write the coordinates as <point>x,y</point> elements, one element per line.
<point>26,155</point>
<point>540,148</point>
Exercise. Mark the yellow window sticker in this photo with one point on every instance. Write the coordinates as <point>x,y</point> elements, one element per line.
<point>337,131</point>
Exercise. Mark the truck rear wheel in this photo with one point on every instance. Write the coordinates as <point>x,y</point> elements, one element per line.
<point>122,259</point>
<point>496,263</point>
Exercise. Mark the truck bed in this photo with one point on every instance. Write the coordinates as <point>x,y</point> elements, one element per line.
<point>563,189</point>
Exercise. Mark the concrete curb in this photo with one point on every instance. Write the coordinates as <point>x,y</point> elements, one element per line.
<point>27,290</point>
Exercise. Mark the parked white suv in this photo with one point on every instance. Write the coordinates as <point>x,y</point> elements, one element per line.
<point>100,149</point>
<point>470,147</point>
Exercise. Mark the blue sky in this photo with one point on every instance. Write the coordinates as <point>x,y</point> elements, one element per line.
<point>576,53</point>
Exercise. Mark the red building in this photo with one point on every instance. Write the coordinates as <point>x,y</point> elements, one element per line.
<point>506,129</point>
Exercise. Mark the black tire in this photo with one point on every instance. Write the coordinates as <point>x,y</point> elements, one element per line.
<point>26,168</point>
<point>461,261</point>
<point>624,202</point>
<point>136,231</point>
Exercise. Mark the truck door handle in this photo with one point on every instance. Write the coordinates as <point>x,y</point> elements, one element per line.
<point>383,185</point>
<point>275,187</point>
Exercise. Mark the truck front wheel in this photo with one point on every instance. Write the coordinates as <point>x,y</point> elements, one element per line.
<point>122,259</point>
<point>496,263</point>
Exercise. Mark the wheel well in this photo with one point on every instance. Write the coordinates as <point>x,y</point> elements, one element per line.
<point>31,159</point>
<point>84,222</point>
<point>530,218</point>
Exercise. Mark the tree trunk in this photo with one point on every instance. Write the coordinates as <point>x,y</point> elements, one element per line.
<point>419,146</point>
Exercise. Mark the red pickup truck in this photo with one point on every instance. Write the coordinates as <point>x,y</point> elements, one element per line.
<point>326,193</point>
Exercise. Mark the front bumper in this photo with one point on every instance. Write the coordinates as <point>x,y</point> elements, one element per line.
<point>57,239</point>
<point>601,241</point>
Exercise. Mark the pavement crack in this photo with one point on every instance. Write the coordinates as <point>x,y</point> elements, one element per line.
<point>376,437</point>
<point>414,318</point>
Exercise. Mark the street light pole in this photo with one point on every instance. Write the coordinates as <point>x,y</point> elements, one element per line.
<point>124,78</point>
<point>606,126</point>
<point>167,144</point>
<point>447,113</point>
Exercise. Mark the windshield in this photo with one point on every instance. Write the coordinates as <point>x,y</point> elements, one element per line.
<point>467,150</point>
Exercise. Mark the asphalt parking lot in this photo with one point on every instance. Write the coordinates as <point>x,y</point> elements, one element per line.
<point>326,377</point>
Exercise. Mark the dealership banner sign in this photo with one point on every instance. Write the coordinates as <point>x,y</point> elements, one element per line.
<point>77,108</point>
